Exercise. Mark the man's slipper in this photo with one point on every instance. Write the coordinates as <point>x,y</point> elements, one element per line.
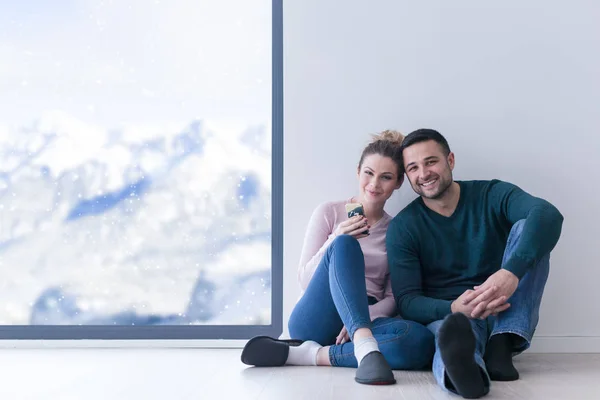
<point>264,351</point>
<point>374,370</point>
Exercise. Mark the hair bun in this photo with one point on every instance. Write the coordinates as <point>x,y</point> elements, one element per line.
<point>389,135</point>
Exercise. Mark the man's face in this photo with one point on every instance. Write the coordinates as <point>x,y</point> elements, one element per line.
<point>428,169</point>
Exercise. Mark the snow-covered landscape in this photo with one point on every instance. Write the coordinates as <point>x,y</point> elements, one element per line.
<point>135,225</point>
<point>135,162</point>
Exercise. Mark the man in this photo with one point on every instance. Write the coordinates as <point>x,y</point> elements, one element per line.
<point>470,260</point>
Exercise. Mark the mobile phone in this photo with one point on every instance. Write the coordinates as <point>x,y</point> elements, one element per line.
<point>356,209</point>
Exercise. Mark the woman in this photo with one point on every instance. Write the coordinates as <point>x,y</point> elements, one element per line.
<point>344,317</point>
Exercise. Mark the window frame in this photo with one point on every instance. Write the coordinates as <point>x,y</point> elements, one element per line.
<point>162,332</point>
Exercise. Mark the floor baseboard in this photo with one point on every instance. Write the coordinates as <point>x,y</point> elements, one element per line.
<point>565,344</point>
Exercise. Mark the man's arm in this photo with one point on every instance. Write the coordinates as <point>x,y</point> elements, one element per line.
<point>405,273</point>
<point>543,225</point>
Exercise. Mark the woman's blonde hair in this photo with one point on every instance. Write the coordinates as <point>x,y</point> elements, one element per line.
<point>386,144</point>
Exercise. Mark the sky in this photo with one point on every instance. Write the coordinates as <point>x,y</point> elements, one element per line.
<point>130,62</point>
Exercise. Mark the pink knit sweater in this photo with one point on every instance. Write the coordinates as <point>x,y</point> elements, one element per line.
<point>320,234</point>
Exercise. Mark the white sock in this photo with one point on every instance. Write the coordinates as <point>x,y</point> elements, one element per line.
<point>364,346</point>
<point>305,354</point>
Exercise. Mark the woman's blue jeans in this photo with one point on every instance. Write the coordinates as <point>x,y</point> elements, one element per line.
<point>337,296</point>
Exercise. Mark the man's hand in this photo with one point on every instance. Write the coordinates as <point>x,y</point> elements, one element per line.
<point>505,283</point>
<point>486,303</point>
<point>342,337</point>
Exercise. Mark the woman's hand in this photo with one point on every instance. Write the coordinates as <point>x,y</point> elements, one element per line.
<point>342,337</point>
<point>355,226</point>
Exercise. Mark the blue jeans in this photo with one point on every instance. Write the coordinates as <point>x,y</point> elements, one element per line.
<point>520,319</point>
<point>337,296</point>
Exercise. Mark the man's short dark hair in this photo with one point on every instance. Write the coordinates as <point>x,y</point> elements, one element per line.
<point>423,135</point>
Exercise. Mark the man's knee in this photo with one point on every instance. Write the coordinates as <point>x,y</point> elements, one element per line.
<point>517,227</point>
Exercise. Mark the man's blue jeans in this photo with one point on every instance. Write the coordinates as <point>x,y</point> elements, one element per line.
<point>337,296</point>
<point>520,319</point>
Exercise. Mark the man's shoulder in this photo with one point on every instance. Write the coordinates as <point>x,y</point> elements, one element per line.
<point>483,185</point>
<point>486,190</point>
<point>409,213</point>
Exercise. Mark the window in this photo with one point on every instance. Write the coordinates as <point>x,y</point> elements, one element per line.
<point>141,169</point>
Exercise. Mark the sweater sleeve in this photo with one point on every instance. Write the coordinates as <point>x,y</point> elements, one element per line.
<point>543,225</point>
<point>387,306</point>
<point>405,272</point>
<point>319,235</point>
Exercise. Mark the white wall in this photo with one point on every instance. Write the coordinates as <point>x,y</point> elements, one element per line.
<point>515,88</point>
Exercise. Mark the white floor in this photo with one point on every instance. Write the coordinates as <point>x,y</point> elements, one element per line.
<point>218,374</point>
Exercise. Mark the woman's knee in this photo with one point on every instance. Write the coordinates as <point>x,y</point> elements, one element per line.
<point>413,346</point>
<point>345,242</point>
<point>349,247</point>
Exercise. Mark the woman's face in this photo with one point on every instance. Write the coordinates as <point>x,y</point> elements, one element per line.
<point>377,179</point>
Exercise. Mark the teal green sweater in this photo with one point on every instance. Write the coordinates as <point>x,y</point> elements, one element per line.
<point>433,259</point>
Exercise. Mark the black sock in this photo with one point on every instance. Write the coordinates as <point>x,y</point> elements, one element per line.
<point>498,358</point>
<point>457,347</point>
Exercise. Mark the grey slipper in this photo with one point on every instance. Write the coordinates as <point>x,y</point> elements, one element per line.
<point>374,370</point>
<point>264,351</point>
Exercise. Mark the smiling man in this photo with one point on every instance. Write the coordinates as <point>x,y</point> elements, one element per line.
<point>469,259</point>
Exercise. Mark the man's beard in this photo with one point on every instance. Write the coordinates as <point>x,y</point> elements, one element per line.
<point>443,186</point>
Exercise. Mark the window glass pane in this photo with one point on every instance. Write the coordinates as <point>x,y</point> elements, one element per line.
<point>135,168</point>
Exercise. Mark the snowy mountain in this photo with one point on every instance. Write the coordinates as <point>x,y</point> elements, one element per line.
<point>136,225</point>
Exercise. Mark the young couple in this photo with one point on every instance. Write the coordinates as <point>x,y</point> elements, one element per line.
<point>455,280</point>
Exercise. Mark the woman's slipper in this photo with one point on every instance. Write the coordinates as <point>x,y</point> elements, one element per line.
<point>264,351</point>
<point>374,370</point>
